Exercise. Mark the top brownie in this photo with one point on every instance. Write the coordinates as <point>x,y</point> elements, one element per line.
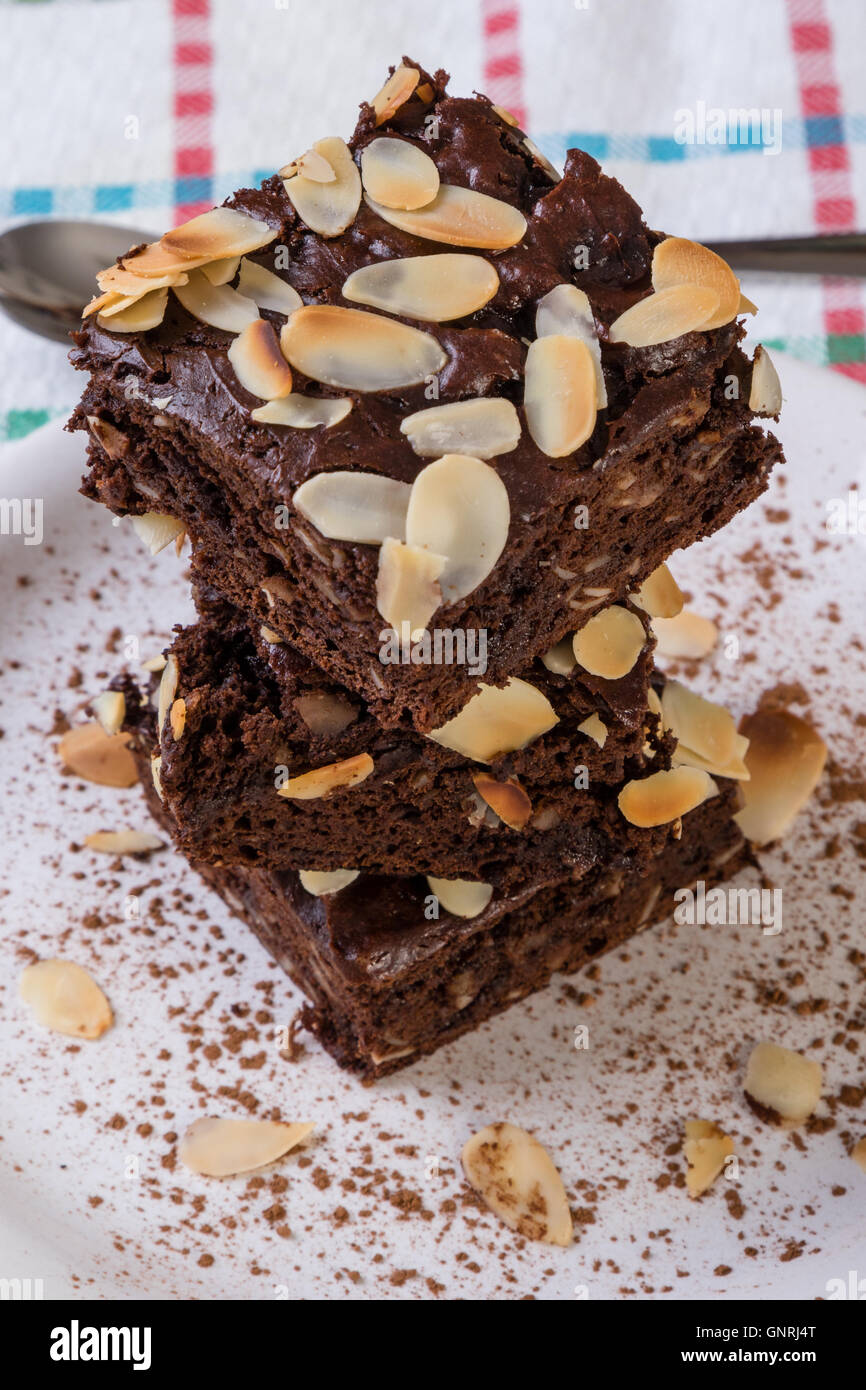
<point>443,391</point>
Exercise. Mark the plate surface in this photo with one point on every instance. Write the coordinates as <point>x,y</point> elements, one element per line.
<point>92,1200</point>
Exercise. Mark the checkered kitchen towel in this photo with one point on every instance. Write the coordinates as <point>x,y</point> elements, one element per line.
<point>146,111</point>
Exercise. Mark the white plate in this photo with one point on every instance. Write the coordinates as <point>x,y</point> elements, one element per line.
<point>86,1201</point>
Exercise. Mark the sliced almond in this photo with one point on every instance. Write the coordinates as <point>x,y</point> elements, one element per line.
<point>785,759</point>
<point>459,508</point>
<point>328,208</point>
<point>301,412</point>
<point>222,271</point>
<point>142,314</point>
<point>407,589</point>
<point>259,365</point>
<point>123,842</point>
<point>782,1084</point>
<point>321,884</point>
<point>484,427</point>
<point>154,663</point>
<point>459,217</point>
<point>309,786</point>
<point>677,261</point>
<point>217,305</point>
<point>699,724</point>
<point>610,643</point>
<point>498,720</point>
<point>357,351</point>
<point>507,799</point>
<point>460,896</point>
<point>312,165</point>
<point>432,288</point>
<point>505,115</point>
<point>156,530</point>
<point>735,768</point>
<point>559,394</point>
<point>561,659</point>
<point>266,289</point>
<point>398,174</point>
<point>158,262</point>
<point>65,998</point>
<point>110,439</point>
<point>361,507</point>
<point>517,1179</point>
<point>746,306</point>
<point>765,393</point>
<point>156,776</point>
<point>706,1150</point>
<point>664,796</point>
<point>565,311</point>
<point>325,713</point>
<point>177,718</point>
<point>541,158</point>
<point>117,280</point>
<point>425,92</point>
<point>688,636</point>
<point>110,710</point>
<point>397,90</point>
<point>858,1153</point>
<point>218,1148</point>
<point>167,691</point>
<point>219,233</point>
<point>272,638</point>
<point>666,315</point>
<point>659,595</point>
<point>92,754</point>
<point>595,729</point>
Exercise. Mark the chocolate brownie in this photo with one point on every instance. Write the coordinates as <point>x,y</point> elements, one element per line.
<point>554,511</point>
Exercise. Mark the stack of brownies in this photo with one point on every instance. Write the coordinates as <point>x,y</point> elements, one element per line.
<point>433,416</point>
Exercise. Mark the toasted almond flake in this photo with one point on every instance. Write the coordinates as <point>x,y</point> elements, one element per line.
<point>397,90</point>
<point>425,92</point>
<point>659,595</point>
<point>259,365</point>
<point>218,1148</point>
<point>217,305</point>
<point>92,754</point>
<point>272,638</point>
<point>222,271</point>
<point>678,261</point>
<point>321,884</point>
<point>358,351</point>
<point>459,217</point>
<point>746,306</point>
<point>735,768</point>
<point>123,842</point>
<point>110,710</point>
<point>156,530</point>
<point>157,261</point>
<point>266,289</point>
<point>664,796</point>
<point>507,799</point>
<point>666,315</point>
<point>321,781</point>
<point>541,159</point>
<point>301,412</point>
<point>706,728</point>
<point>117,280</point>
<point>498,719</point>
<point>687,636</point>
<point>483,427</point>
<point>559,394</point>
<point>785,759</point>
<point>765,393</point>
<point>218,233</point>
<point>398,174</point>
<point>595,729</point>
<point>407,588</point>
<point>858,1153</point>
<point>783,1084</point>
<point>706,1150</point>
<point>517,1179</point>
<point>167,691</point>
<point>312,165</point>
<point>361,507</point>
<point>505,115</point>
<point>177,718</point>
<point>65,998</point>
<point>610,643</point>
<point>156,775</point>
<point>565,311</point>
<point>328,208</point>
<point>324,712</point>
<point>106,301</point>
<point>110,439</point>
<point>433,288</point>
<point>458,507</point>
<point>154,663</point>
<point>141,315</point>
<point>560,659</point>
<point>460,896</point>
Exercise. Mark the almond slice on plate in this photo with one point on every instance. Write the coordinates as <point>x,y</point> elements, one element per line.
<point>706,1150</point>
<point>858,1153</point>
<point>361,507</point>
<point>665,796</point>
<point>123,842</point>
<point>508,799</point>
<point>765,393</point>
<point>407,591</point>
<point>156,531</point>
<point>301,412</point>
<point>65,998</point>
<point>321,884</point>
<point>678,261</point>
<point>785,759</point>
<point>218,1148</point>
<point>659,595</point>
<point>397,90</point>
<point>707,728</point>
<point>517,1179</point>
<point>266,289</point>
<point>222,271</point>
<point>483,427</point>
<point>688,636</point>
<point>259,365</point>
<point>328,208</point>
<point>560,394</point>
<point>565,311</point>
<point>560,659</point>
<point>216,234</point>
<point>459,217</point>
<point>141,315</point>
<point>610,643</point>
<point>498,719</point>
<point>434,288</point>
<point>357,351</point>
<point>595,729</point>
<point>398,174</point>
<point>459,508</point>
<point>110,710</point>
<point>321,781</point>
<point>782,1085</point>
<point>666,315</point>
<point>92,754</point>
<point>217,305</point>
<point>460,896</point>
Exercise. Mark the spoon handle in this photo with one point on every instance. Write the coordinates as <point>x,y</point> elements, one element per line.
<point>810,255</point>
